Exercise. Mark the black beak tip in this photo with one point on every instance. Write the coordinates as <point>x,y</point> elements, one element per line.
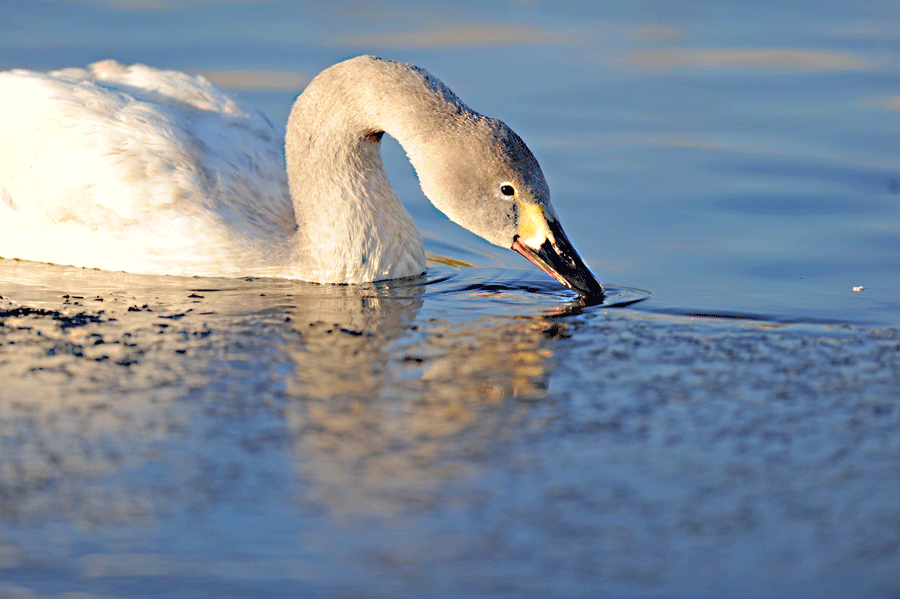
<point>589,287</point>
<point>562,262</point>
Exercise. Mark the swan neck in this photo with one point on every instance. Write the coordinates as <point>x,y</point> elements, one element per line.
<point>337,180</point>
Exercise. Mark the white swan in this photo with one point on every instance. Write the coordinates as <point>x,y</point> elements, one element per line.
<point>160,172</point>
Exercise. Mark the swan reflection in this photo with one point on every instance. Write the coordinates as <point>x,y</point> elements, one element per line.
<point>370,397</point>
<point>382,414</point>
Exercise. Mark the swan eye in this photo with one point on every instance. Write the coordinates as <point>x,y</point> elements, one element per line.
<point>507,190</point>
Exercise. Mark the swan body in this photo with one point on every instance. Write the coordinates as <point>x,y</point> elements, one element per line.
<point>159,172</point>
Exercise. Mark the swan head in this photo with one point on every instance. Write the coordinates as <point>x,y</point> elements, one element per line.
<point>483,177</point>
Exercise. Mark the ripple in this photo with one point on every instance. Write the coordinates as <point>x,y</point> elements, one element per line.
<point>508,284</point>
<point>622,297</point>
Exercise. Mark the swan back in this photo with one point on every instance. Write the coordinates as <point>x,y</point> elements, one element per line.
<point>133,168</point>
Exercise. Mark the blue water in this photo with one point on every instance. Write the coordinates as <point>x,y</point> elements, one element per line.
<point>732,168</point>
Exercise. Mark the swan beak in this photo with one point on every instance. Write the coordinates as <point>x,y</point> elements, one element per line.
<point>542,241</point>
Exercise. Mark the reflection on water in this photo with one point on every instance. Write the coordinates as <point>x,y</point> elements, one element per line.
<point>376,401</point>
<point>130,403</point>
<point>381,415</point>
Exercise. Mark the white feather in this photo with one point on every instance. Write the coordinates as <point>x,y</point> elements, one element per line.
<point>133,168</point>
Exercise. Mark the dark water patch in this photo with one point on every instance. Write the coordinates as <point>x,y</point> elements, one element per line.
<point>623,297</point>
<point>175,316</point>
<point>64,321</point>
<point>506,284</point>
<point>747,316</point>
<point>69,348</point>
<point>499,288</point>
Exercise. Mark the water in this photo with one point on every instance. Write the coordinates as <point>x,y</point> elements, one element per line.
<point>732,168</point>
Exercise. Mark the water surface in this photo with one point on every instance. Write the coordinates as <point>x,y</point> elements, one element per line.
<point>478,431</point>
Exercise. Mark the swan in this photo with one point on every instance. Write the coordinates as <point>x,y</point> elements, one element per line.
<point>150,171</point>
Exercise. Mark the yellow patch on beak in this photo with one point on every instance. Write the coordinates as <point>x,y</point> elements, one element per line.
<point>533,229</point>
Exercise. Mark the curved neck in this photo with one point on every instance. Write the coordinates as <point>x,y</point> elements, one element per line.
<point>336,176</point>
